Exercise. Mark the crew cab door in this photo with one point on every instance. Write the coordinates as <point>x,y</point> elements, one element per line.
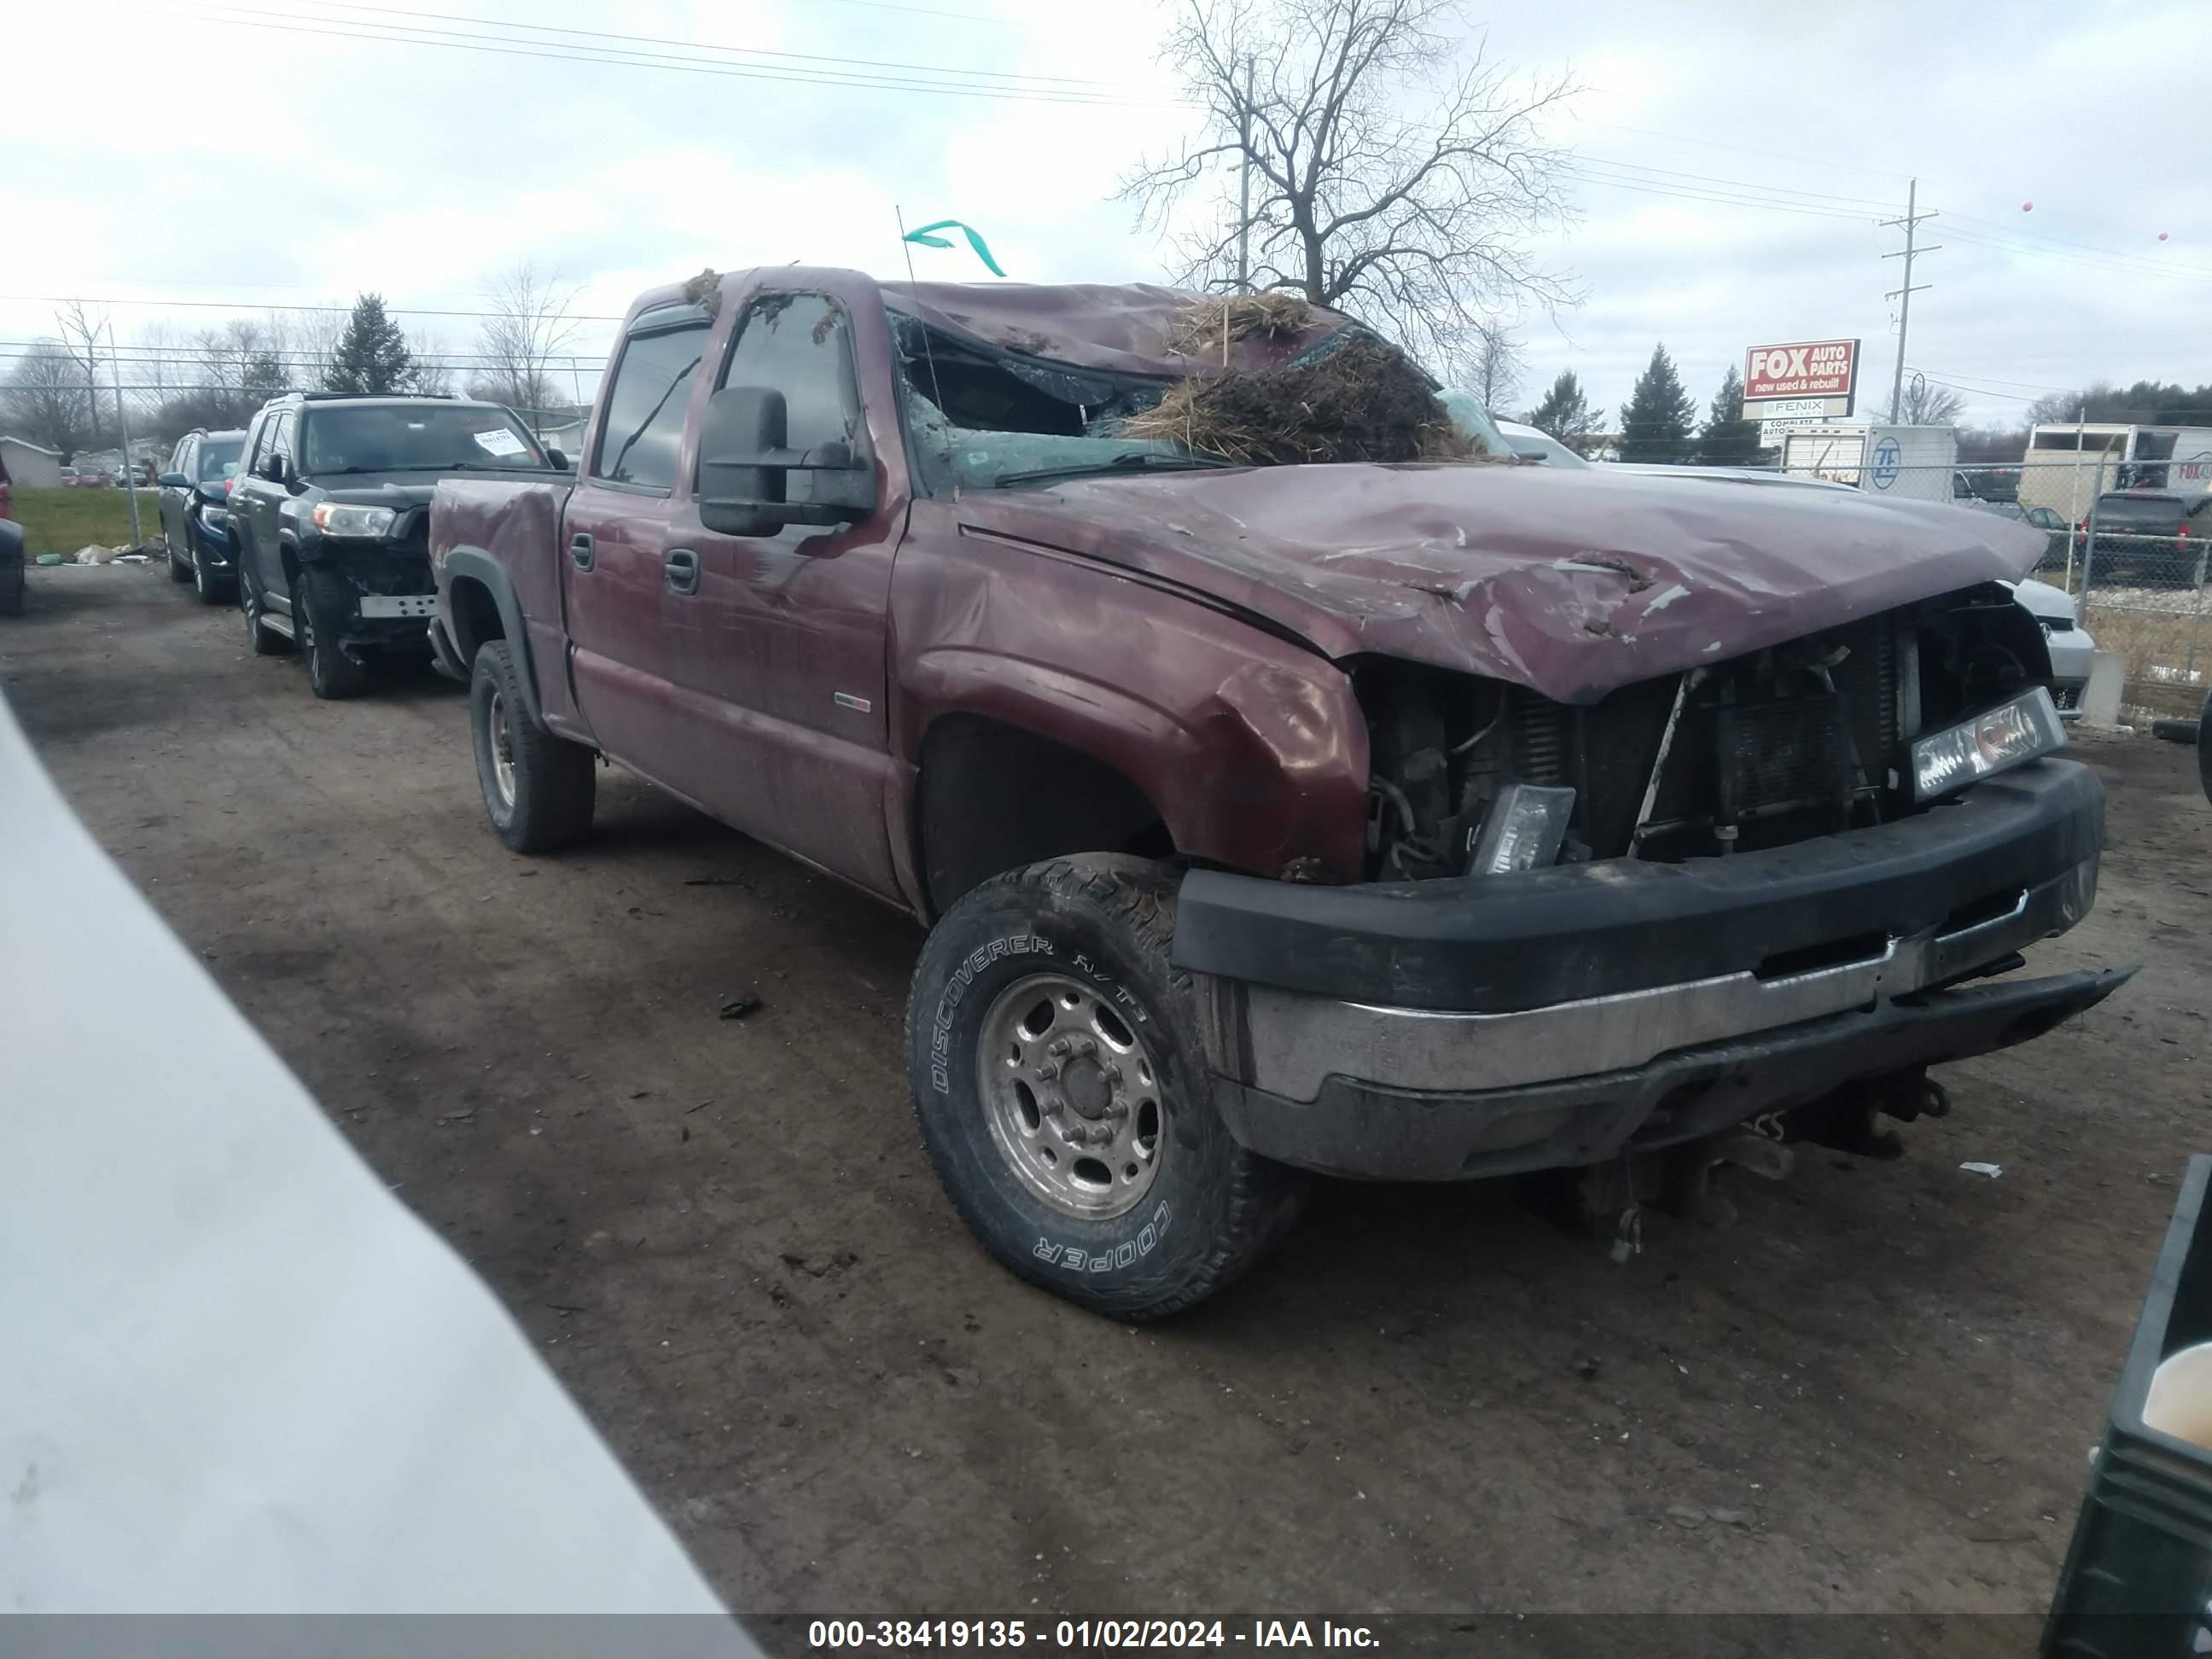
<point>622,614</point>
<point>780,656</point>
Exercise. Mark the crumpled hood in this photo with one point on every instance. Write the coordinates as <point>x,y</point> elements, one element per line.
<point>1572,583</point>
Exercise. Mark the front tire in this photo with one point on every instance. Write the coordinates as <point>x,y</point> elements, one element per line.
<point>2204,748</point>
<point>180,570</point>
<point>319,600</point>
<point>1065,1100</point>
<point>212,589</point>
<point>537,788</point>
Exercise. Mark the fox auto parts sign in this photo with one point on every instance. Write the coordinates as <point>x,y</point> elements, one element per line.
<point>1824,369</point>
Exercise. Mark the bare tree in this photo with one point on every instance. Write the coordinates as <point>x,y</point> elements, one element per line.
<point>1929,402</point>
<point>1490,365</point>
<point>79,330</point>
<point>523,343</point>
<point>44,398</point>
<point>1390,174</point>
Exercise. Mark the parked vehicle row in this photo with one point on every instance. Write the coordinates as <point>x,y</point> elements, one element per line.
<point>316,519</point>
<point>1407,822</point>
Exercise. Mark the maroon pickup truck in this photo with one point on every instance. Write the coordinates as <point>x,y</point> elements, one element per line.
<point>1401,821</point>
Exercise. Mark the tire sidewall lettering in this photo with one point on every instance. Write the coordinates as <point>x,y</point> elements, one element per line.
<point>956,992</point>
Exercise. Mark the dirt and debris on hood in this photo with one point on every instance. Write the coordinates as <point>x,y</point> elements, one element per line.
<point>1355,398</point>
<point>1572,583</point>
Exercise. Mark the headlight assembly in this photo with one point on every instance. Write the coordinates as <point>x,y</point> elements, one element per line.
<point>1995,740</point>
<point>333,519</point>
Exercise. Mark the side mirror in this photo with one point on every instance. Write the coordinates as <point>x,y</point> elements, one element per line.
<point>175,481</point>
<point>276,469</point>
<point>560,459</point>
<point>745,469</point>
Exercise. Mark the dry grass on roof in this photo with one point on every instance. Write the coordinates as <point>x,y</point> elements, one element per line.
<point>1365,401</point>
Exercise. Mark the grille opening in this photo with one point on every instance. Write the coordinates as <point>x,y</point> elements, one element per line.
<point>1981,910</point>
<point>1831,953</point>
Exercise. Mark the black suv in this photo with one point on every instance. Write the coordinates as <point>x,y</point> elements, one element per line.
<point>196,510</point>
<point>331,514</point>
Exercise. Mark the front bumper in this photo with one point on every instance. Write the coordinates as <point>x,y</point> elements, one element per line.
<point>1441,1030</point>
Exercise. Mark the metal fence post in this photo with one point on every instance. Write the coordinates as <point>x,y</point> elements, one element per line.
<point>2088,560</point>
<point>2195,618</point>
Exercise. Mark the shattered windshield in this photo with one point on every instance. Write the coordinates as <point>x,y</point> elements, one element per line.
<point>981,421</point>
<point>985,415</point>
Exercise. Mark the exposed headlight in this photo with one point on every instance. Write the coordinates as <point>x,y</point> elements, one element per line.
<point>1995,740</point>
<point>216,519</point>
<point>333,519</point>
<point>1526,825</point>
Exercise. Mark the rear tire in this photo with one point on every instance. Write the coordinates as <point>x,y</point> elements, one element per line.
<point>261,640</point>
<point>319,599</point>
<point>179,571</point>
<point>538,789</point>
<point>1064,1097</point>
<point>11,587</point>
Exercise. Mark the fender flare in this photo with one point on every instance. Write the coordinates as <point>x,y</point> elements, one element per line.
<point>474,564</point>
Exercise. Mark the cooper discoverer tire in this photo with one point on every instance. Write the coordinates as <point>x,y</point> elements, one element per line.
<point>1063,1095</point>
<point>537,788</point>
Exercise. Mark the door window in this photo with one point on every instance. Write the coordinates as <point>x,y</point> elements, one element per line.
<point>799,345</point>
<point>280,437</point>
<point>642,426</point>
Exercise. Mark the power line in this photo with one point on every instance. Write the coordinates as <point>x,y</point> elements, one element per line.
<point>1779,190</point>
<point>698,46</point>
<point>505,46</point>
<point>257,305</point>
<point>1802,209</point>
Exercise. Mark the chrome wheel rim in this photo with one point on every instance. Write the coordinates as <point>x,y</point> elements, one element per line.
<point>1072,1094</point>
<point>501,742</point>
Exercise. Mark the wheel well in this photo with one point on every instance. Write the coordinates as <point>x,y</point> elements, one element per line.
<point>995,797</point>
<point>475,616</point>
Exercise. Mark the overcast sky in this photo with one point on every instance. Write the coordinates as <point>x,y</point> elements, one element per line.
<point>264,154</point>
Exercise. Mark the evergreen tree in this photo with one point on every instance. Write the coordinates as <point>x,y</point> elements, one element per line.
<point>1727,438</point>
<point>263,379</point>
<point>372,354</point>
<point>1655,423</point>
<point>1565,413</point>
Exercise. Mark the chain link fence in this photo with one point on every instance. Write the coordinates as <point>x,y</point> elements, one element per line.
<point>2130,540</point>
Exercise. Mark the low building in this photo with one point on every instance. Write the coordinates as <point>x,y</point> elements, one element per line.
<point>29,466</point>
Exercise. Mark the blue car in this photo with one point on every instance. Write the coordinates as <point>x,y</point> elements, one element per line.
<point>196,513</point>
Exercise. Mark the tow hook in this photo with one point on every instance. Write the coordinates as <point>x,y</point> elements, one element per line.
<point>1687,1189</point>
<point>1846,1120</point>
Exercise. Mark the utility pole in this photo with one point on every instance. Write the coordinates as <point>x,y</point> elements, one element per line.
<point>1910,223</point>
<point>122,425</point>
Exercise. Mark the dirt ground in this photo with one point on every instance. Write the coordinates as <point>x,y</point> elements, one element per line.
<point>1874,1393</point>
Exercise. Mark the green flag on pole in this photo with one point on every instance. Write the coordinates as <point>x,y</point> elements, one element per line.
<point>926,237</point>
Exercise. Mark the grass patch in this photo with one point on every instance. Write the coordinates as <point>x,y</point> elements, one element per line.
<point>62,521</point>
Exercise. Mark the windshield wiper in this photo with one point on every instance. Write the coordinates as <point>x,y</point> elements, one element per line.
<point>1136,460</point>
<point>432,466</point>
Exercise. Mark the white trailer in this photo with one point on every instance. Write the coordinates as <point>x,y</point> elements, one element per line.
<point>1917,463</point>
<point>2068,466</point>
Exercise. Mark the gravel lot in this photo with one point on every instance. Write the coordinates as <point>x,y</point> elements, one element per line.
<point>1873,1394</point>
